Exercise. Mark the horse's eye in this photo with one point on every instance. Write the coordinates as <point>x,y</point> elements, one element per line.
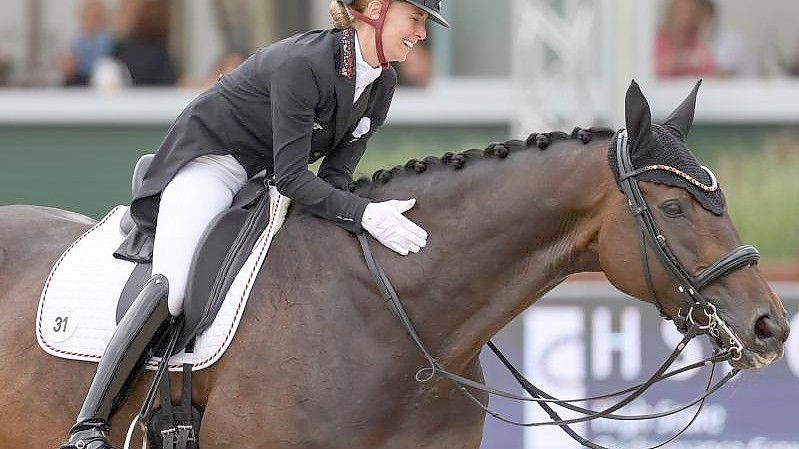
<point>671,208</point>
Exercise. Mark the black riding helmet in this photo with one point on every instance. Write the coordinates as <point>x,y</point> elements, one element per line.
<point>432,7</point>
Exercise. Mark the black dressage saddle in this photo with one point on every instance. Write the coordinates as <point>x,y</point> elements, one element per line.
<point>223,249</point>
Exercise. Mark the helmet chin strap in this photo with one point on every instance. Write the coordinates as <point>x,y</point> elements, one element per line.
<point>378,26</point>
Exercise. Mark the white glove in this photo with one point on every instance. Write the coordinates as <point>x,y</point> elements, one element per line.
<point>387,224</point>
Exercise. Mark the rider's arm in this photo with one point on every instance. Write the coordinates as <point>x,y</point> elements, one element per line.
<point>339,165</point>
<point>294,96</point>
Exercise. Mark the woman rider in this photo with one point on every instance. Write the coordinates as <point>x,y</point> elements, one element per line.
<point>322,93</point>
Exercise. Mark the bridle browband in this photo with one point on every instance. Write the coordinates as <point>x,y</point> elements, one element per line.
<point>727,345</point>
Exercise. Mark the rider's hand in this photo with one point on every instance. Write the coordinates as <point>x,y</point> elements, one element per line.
<point>387,224</point>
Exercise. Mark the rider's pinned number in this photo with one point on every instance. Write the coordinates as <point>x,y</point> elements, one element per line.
<point>59,326</point>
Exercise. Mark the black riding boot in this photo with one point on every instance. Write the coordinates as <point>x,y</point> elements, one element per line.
<point>121,361</point>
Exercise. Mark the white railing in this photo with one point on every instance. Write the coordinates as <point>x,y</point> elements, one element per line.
<point>448,102</point>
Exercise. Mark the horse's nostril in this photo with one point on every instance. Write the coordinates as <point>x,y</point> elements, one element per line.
<point>766,328</point>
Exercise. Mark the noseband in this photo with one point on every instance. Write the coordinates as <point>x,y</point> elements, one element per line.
<point>696,316</point>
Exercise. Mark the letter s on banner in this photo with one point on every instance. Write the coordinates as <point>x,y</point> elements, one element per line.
<point>792,348</point>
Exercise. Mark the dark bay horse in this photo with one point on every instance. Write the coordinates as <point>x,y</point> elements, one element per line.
<point>320,362</point>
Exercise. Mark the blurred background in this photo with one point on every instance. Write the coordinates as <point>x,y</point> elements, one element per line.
<point>87,86</point>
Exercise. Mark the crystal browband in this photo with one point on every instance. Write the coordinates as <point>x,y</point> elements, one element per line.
<point>708,188</point>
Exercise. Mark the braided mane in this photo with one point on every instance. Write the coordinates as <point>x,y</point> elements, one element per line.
<point>542,141</point>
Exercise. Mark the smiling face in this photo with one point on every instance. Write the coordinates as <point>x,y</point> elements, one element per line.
<point>405,26</point>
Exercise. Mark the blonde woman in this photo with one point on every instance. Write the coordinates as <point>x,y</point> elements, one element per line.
<point>321,94</point>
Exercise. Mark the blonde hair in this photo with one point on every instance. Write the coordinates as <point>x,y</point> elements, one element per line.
<point>340,17</point>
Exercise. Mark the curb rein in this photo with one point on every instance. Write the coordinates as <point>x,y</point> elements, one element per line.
<point>726,343</point>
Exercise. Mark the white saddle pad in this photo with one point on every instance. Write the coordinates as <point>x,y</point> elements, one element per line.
<point>77,309</point>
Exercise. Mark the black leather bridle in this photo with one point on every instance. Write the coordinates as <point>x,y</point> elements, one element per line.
<point>688,285</point>
<point>727,345</point>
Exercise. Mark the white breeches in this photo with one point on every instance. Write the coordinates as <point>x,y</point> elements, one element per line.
<point>199,192</point>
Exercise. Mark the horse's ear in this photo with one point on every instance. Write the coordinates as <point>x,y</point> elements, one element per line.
<point>682,118</point>
<point>638,118</point>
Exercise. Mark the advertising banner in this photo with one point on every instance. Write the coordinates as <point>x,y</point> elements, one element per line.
<point>587,339</point>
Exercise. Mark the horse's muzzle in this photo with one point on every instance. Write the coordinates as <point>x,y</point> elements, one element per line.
<point>764,341</point>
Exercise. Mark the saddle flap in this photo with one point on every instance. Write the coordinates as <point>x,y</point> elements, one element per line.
<point>223,250</point>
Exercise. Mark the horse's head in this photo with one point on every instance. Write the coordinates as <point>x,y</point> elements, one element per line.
<point>689,224</point>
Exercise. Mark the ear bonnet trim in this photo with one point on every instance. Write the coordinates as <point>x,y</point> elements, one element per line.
<point>707,188</point>
<point>670,162</point>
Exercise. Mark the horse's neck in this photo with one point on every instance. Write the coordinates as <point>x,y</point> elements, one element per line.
<point>502,233</point>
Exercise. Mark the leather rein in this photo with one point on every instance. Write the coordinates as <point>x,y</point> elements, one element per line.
<point>696,316</point>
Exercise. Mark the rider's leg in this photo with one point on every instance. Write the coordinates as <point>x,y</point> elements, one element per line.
<point>122,357</point>
<point>200,191</point>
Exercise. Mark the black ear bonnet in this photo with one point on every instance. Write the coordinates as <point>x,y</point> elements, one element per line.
<point>664,153</point>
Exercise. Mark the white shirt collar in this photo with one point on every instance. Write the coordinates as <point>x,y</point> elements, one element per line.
<point>364,73</point>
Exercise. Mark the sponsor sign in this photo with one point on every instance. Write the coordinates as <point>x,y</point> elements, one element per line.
<point>587,339</point>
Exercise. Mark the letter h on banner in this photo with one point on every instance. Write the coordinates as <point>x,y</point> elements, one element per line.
<point>626,342</point>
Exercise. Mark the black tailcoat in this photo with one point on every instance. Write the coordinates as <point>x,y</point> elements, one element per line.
<point>285,107</point>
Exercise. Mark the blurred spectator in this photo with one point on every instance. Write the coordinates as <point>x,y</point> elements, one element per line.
<point>417,70</point>
<point>6,69</point>
<point>93,43</point>
<point>730,52</point>
<point>127,12</point>
<point>246,25</point>
<point>791,67</point>
<point>681,49</point>
<point>143,50</point>
<point>788,66</point>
